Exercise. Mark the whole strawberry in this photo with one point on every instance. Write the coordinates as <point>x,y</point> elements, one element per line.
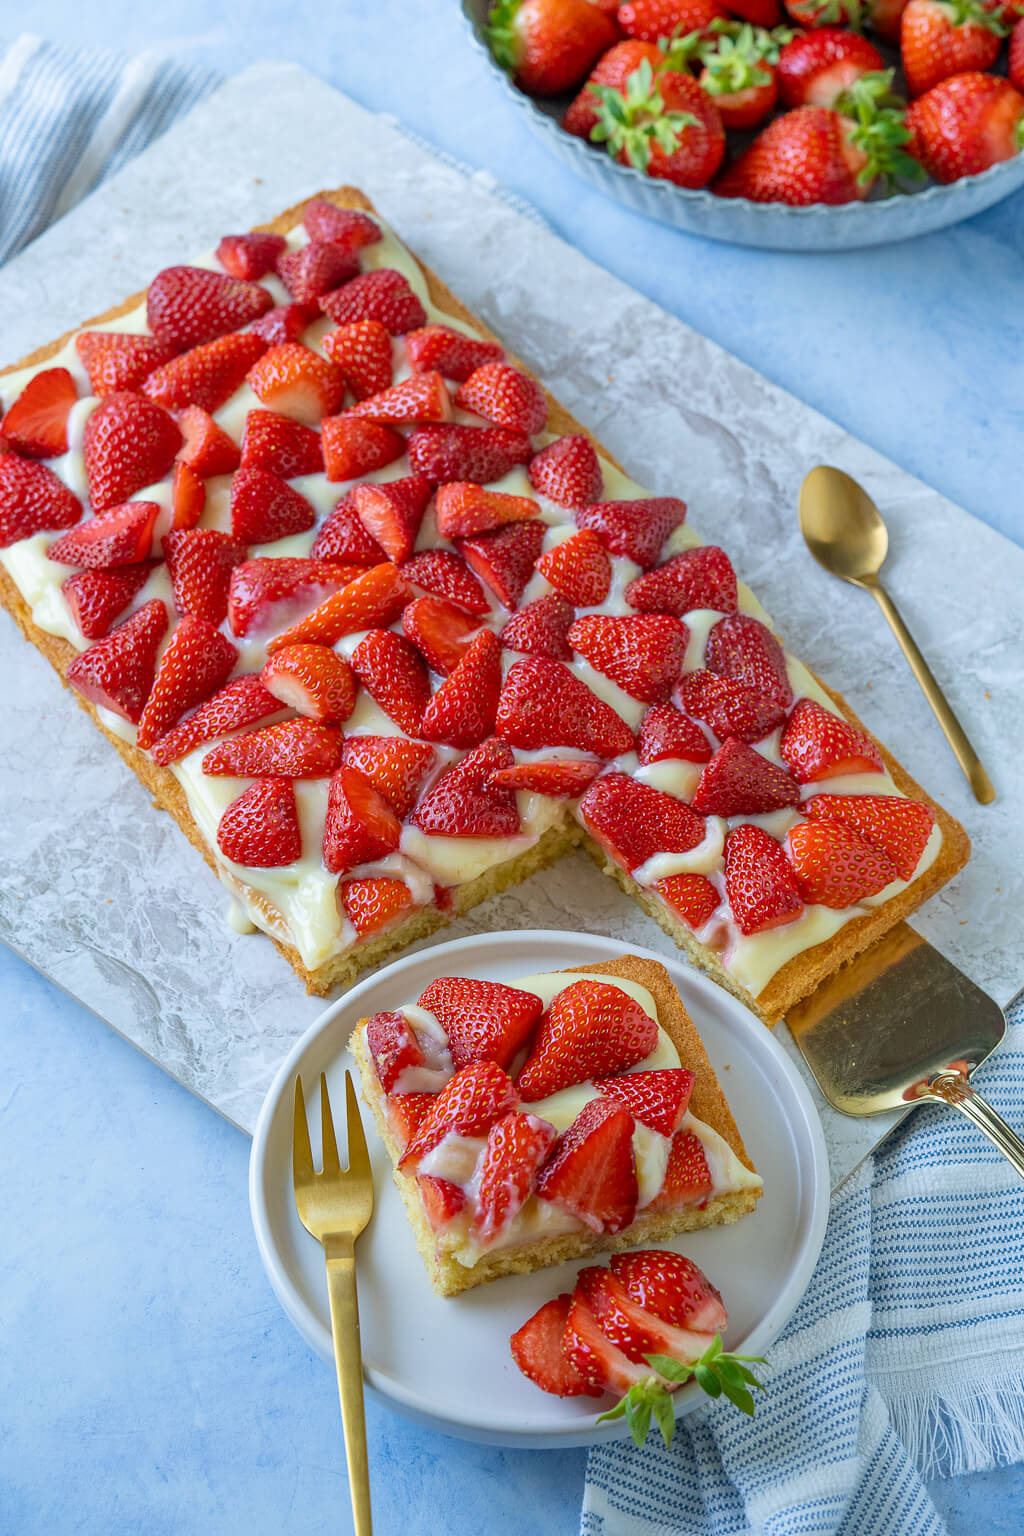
<point>825,13</point>
<point>654,19</point>
<point>940,38</point>
<point>965,124</point>
<point>816,67</point>
<point>548,46</point>
<point>738,73</point>
<point>665,126</point>
<point>1015,62</point>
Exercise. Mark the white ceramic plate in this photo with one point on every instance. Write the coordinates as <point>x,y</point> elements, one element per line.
<point>446,1362</point>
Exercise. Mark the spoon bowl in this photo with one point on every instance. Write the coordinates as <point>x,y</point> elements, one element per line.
<point>842,527</point>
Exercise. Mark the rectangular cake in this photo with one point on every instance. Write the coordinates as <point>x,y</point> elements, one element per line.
<point>386,630</point>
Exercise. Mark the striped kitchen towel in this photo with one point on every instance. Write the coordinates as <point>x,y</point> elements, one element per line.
<point>905,1359</point>
<point>71,117</point>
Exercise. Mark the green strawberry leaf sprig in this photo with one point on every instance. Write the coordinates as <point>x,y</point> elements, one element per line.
<point>880,130</point>
<point>717,1373</point>
<point>635,121</point>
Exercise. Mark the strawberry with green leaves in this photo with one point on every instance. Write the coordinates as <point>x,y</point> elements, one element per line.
<point>966,124</point>
<point>664,125</point>
<point>940,38</point>
<point>815,68</point>
<point>738,69</point>
<point>547,46</point>
<point>612,69</point>
<point>825,13</point>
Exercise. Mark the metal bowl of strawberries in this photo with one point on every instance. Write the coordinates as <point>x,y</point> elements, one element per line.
<point>827,125</point>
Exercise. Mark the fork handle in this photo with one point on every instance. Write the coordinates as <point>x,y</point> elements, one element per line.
<point>339,1252</point>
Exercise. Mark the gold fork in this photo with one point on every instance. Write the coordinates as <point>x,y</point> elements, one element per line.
<point>334,1206</point>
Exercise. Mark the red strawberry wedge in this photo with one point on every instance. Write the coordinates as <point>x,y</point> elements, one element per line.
<point>578,568</point>
<point>344,226</point>
<point>560,780</point>
<point>265,508</point>
<point>207,449</point>
<point>250,256</point>
<point>633,821</point>
<point>899,827</point>
<point>592,1029</point>
<point>687,1176</point>
<point>129,442</point>
<point>97,598</point>
<point>445,574</point>
<point>567,471</point>
<point>743,649</point>
<point>207,375</point>
<point>630,1327</point>
<point>696,578</point>
<point>440,632</point>
<point>537,1350</point>
<point>286,322</point>
<point>516,1146</point>
<point>451,352</point>
<point>656,1099</point>
<point>504,558</point>
<point>464,803</point>
<point>188,498</point>
<point>484,1020</point>
<point>393,1046</point>
<point>281,445</point>
<point>759,881</point>
<point>198,659</point>
<point>666,733</point>
<point>344,539</point>
<point>360,827</point>
<point>591,1352</point>
<point>671,1287</point>
<point>118,671</point>
<point>501,394</point>
<point>258,586</point>
<point>242,702</point>
<point>375,903</point>
<point>541,628</point>
<point>352,447</point>
<point>691,897</point>
<point>120,535</point>
<point>392,513</point>
<point>818,744</point>
<point>468,1105</point>
<point>186,306</point>
<point>464,508</point>
<point>634,529</point>
<point>543,704</point>
<point>423,397</point>
<point>393,674</point>
<point>260,829</point>
<point>32,499</point>
<point>200,562</point>
<point>295,381</point>
<point>462,711</point>
<point>36,425</point>
<point>456,452</point>
<point>383,295</point>
<point>643,653</point>
<point>396,767</point>
<point>441,1199</point>
<point>729,708</point>
<point>367,599</point>
<point>740,782</point>
<point>362,351</point>
<point>315,269</point>
<point>834,866</point>
<point>591,1173</point>
<point>117,360</point>
<point>313,680</point>
<point>293,749</point>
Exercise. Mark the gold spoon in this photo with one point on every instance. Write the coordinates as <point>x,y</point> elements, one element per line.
<point>844,531</point>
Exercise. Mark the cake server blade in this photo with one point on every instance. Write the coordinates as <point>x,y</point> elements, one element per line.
<point>900,1026</point>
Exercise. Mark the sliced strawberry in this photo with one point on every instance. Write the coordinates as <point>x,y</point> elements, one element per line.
<point>441,1199</point>
<point>260,829</point>
<point>452,353</point>
<point>543,704</point>
<point>445,574</point>
<point>394,766</point>
<point>250,256</point>
<point>537,1350</point>
<point>516,1146</point>
<point>633,821</point>
<point>500,393</point>
<point>634,529</point>
<point>313,680</point>
<point>286,322</point>
<point>186,306</point>
<point>665,733</point>
<point>422,397</point>
<point>257,586</point>
<point>239,703</point>
<point>484,1020</point>
<point>206,448</point>
<point>360,827</point>
<point>592,1171</point>
<point>464,803</point>
<point>117,672</point>
<point>353,448</point>
<point>759,881</point>
<point>687,1176</point>
<point>293,749</point>
<point>117,360</point>
<point>344,539</point>
<point>97,598</point>
<point>744,649</point>
<point>373,597</point>
<point>36,425</point>
<point>740,782</point>
<point>129,442</point>
<point>343,226</point>
<point>281,445</point>
<point>631,1329</point>
<point>392,513</point>
<point>818,744</point>
<point>374,903</point>
<point>579,568</point>
<point>456,452</point>
<point>504,559</point>
<point>200,562</point>
<point>207,375</point>
<point>295,381</point>
<point>900,828</point>
<point>315,269</point>
<point>468,1105</point>
<point>541,628</point>
<point>696,578</point>
<point>118,536</point>
<point>265,508</point>
<point>464,508</point>
<point>197,660</point>
<point>188,498</point>
<point>671,1287</point>
<point>593,1355</point>
<point>362,351</point>
<point>383,295</point>
<point>462,711</point>
<point>405,1111</point>
<point>691,897</point>
<point>643,653</point>
<point>562,781</point>
<point>440,632</point>
<point>591,1029</point>
<point>834,866</point>
<point>729,708</point>
<point>656,1099</point>
<point>567,471</point>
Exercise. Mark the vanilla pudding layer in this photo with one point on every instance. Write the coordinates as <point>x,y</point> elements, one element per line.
<point>298,903</point>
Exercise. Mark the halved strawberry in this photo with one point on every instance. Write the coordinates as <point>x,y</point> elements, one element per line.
<point>897,826</point>
<point>374,903</point>
<point>313,680</point>
<point>360,827</point>
<point>516,1146</point>
<point>352,448</point>
<point>666,733</point>
<point>484,1020</point>
<point>834,866</point>
<point>343,226</point>
<point>634,529</point>
<point>441,1199</point>
<point>462,711</point>
<point>818,744</point>
<point>728,707</point>
<point>500,393</point>
<point>464,508</point>
<point>643,653</point>
<point>295,381</point>
<point>393,1046</point>
<point>567,471</point>
<point>257,586</point>
<point>445,574</point>
<point>742,648</point>
<point>342,537</point>
<point>373,597</point>
<point>656,1099</point>
<point>117,360</point>
<point>740,782</point>
<point>392,513</point>
<point>629,1327</point>
<point>696,578</point>
<point>315,269</point>
<point>129,442</point>
<point>119,535</point>
<point>394,675</point>
<point>96,598</point>
<point>593,1355</point>
<point>396,767</point>
<point>543,704</point>
<point>560,780</point>
<point>687,1178</point>
<point>239,703</point>
<point>441,632</point>
<point>591,1029</point>
<point>200,562</point>
<point>265,508</point>
<point>541,628</point>
<point>285,322</point>
<point>405,1111</point>
<point>197,660</point>
<point>592,1171</point>
<point>250,256</point>
<point>117,672</point>
<point>759,882</point>
<point>260,828</point>
<point>186,306</point>
<point>293,749</point>
<point>206,448</point>
<point>422,397</point>
<point>691,897</point>
<point>578,568</point>
<point>362,351</point>
<point>468,1105</point>
<point>464,803</point>
<point>452,353</point>
<point>188,497</point>
<point>36,424</point>
<point>633,821</point>
<point>537,1350</point>
<point>383,295</point>
<point>504,558</point>
<point>281,445</point>
<point>206,375</point>
<point>456,452</point>
<point>670,1286</point>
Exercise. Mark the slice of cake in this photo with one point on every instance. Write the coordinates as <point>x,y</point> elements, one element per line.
<point>571,1112</point>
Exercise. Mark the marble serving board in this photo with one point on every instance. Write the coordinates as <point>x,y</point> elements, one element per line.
<point>107,898</point>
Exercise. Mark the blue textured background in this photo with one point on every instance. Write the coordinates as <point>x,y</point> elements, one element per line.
<point>148,1381</point>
